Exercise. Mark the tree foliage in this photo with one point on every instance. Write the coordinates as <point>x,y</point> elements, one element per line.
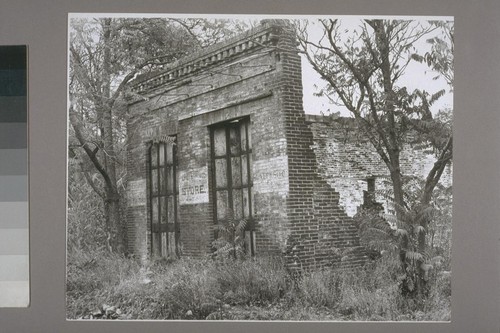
<point>207,32</point>
<point>440,57</point>
<point>105,54</point>
<point>364,68</point>
<point>383,232</point>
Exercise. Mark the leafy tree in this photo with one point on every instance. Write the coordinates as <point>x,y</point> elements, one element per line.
<point>207,32</point>
<point>86,229</point>
<point>364,68</point>
<point>440,57</point>
<point>105,55</point>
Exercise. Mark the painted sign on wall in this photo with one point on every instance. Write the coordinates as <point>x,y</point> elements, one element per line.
<point>193,186</point>
<point>136,194</point>
<point>271,175</point>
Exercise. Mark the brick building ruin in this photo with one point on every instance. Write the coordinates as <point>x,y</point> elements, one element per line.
<point>223,130</point>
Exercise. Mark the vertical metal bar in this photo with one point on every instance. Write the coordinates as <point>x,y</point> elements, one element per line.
<point>165,193</point>
<point>158,195</point>
<point>213,183</point>
<point>150,169</point>
<point>249,187</point>
<point>175,191</point>
<point>229,169</point>
<point>252,248</point>
<point>241,168</point>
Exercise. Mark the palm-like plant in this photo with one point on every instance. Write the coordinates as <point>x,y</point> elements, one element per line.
<point>230,237</point>
<point>398,232</point>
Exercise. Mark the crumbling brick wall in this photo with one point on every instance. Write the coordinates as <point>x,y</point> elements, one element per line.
<point>321,234</point>
<point>346,160</point>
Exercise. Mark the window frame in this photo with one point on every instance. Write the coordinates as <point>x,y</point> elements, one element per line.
<point>162,225</point>
<point>229,186</point>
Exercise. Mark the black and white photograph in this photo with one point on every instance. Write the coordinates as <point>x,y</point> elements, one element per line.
<point>259,168</point>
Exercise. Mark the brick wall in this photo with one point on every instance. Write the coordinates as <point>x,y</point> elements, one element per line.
<point>255,75</point>
<point>228,81</point>
<point>321,234</point>
<point>346,161</point>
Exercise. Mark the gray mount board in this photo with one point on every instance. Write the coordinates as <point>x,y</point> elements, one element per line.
<point>476,230</point>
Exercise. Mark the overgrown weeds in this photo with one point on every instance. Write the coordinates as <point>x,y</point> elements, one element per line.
<point>253,288</point>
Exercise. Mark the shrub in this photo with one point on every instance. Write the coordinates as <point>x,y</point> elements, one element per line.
<point>319,288</point>
<point>91,278</point>
<point>230,240</point>
<point>190,286</point>
<point>86,227</point>
<point>251,281</point>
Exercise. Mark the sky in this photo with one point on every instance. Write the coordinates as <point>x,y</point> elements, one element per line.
<point>417,75</point>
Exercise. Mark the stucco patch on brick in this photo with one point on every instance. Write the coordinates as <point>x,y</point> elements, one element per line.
<point>193,186</point>
<point>136,196</point>
<point>271,175</point>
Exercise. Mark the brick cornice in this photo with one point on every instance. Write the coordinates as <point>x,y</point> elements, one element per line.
<point>264,35</point>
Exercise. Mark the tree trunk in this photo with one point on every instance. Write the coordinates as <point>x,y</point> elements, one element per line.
<point>430,184</point>
<point>114,227</point>
<point>422,287</point>
<point>397,186</point>
<point>112,201</point>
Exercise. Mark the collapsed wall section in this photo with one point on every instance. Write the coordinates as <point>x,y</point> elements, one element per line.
<point>348,162</point>
<point>321,234</point>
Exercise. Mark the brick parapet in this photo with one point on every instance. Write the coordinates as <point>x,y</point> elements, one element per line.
<point>259,37</point>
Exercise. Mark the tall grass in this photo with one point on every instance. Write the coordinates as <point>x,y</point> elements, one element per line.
<point>231,289</point>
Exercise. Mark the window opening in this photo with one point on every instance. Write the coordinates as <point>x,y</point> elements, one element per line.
<point>231,152</point>
<point>163,200</point>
